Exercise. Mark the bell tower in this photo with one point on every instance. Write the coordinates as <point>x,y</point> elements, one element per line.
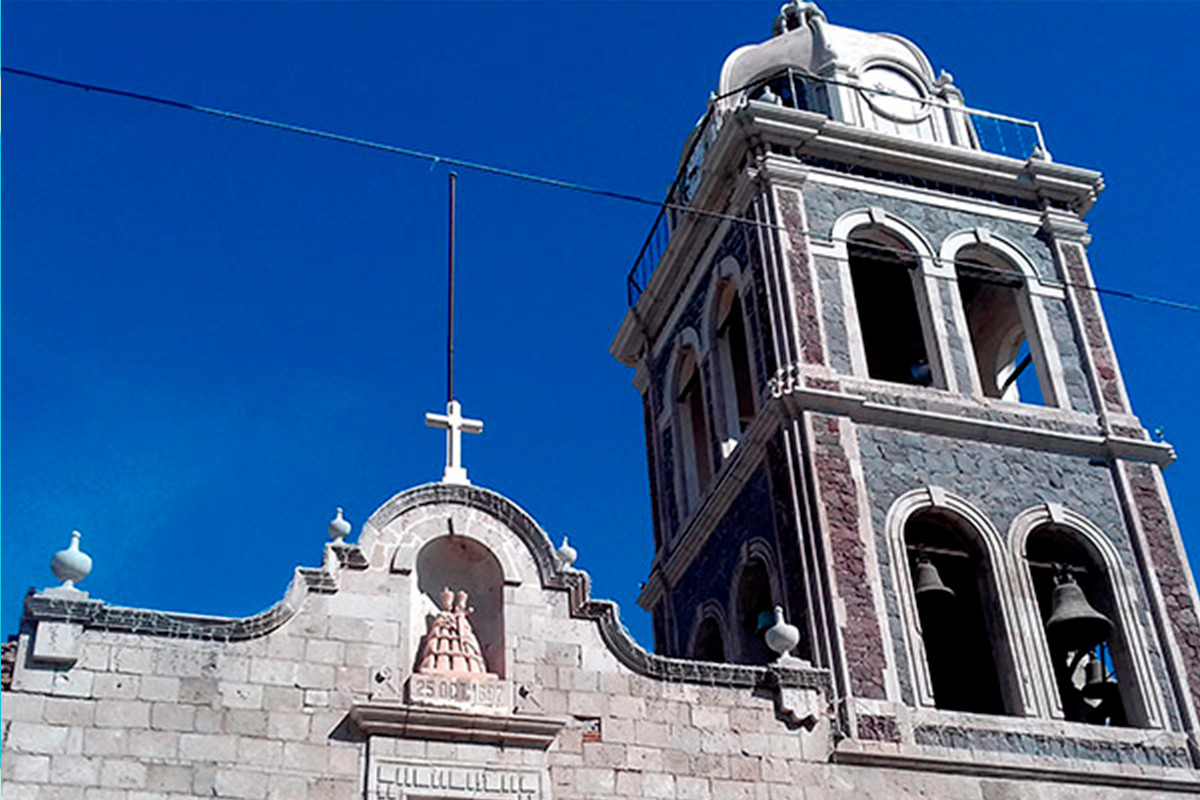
<point>879,393</point>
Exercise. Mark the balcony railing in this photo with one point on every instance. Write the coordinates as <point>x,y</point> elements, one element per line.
<point>956,125</point>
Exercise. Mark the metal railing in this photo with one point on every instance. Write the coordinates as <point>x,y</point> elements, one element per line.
<point>989,132</point>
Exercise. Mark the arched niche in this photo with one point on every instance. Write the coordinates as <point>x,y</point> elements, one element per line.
<point>461,563</point>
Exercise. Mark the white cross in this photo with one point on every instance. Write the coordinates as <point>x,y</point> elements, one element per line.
<point>455,425</point>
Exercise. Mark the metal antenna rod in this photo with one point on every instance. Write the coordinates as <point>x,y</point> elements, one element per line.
<point>450,320</point>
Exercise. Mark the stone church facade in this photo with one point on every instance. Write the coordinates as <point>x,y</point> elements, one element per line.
<point>911,541</point>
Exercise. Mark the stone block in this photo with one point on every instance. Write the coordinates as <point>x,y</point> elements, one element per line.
<point>240,695</point>
<point>154,744</point>
<point>154,687</point>
<point>260,752</point>
<point>589,781</point>
<point>287,725</point>
<point>68,711</point>
<point>207,747</point>
<point>168,778</point>
<point>198,691</point>
<point>310,758</point>
<point>172,717</point>
<point>57,642</point>
<point>122,714</point>
<point>287,787</point>
<point>102,793</point>
<point>75,770</point>
<point>208,720</point>
<point>25,768</point>
<point>324,652</point>
<point>646,759</point>
<point>22,707</point>
<point>315,676</point>
<point>688,787</point>
<point>332,788</point>
<point>138,660</point>
<point>272,671</point>
<point>345,760</point>
<point>279,698</point>
<point>245,722</point>
<point>122,773</point>
<point>241,783</point>
<point>115,686</point>
<point>105,742</point>
<point>733,790</point>
<point>658,785</point>
<point>34,737</point>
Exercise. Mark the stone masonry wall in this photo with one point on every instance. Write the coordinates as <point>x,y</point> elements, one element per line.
<point>141,716</point>
<point>1001,482</point>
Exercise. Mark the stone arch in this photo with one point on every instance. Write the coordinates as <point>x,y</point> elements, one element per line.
<point>686,396</point>
<point>997,314</point>
<point>1140,693</point>
<point>709,630</point>
<point>871,238</point>
<point>754,589</point>
<point>727,337</point>
<point>995,596</point>
<point>463,564</point>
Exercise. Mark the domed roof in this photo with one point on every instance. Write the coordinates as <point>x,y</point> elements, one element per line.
<point>804,40</point>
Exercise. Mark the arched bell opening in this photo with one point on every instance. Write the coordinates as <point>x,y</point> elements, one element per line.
<point>965,639</point>
<point>1088,647</point>
<point>461,565</point>
<point>1001,326</point>
<point>885,274</point>
<point>708,644</point>
<point>693,429</point>
<point>753,605</point>
<point>733,361</point>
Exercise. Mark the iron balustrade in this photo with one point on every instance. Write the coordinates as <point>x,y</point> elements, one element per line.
<point>989,132</point>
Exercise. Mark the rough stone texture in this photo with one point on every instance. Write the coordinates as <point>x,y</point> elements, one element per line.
<point>878,728</point>
<point>1103,360</point>
<point>825,204</point>
<point>804,299</point>
<point>838,494</point>
<point>1079,393</point>
<point>1155,520</point>
<point>709,574</point>
<point>833,314</point>
<point>1001,482</point>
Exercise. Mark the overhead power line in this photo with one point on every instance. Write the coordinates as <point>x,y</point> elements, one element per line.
<point>530,177</point>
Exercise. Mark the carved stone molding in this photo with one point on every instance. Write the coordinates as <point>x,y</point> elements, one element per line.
<point>412,722</point>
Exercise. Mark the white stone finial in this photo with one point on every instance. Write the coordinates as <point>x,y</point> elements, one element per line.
<point>782,636</point>
<point>455,425</point>
<point>566,553</point>
<point>339,527</point>
<point>72,564</point>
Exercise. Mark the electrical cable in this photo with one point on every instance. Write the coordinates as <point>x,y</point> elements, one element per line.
<point>558,183</point>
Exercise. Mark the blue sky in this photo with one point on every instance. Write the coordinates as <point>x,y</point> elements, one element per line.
<point>214,334</point>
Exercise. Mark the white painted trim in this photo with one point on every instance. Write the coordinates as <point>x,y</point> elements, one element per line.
<point>925,291</point>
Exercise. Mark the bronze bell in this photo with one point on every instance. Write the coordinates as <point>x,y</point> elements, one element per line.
<point>1074,625</point>
<point>928,585</point>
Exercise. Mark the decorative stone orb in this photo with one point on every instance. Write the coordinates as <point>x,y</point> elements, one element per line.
<point>339,527</point>
<point>782,636</point>
<point>72,564</point>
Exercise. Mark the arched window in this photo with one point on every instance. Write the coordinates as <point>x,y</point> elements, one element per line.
<point>885,274</point>
<point>1000,322</point>
<point>1089,650</point>
<point>693,428</point>
<point>753,603</point>
<point>737,384</point>
<point>707,643</point>
<point>963,632</point>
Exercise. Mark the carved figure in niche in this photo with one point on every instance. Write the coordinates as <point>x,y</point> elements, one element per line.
<point>450,647</point>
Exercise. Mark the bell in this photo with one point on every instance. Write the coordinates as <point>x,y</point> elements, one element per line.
<point>1074,625</point>
<point>1095,685</point>
<point>929,586</point>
